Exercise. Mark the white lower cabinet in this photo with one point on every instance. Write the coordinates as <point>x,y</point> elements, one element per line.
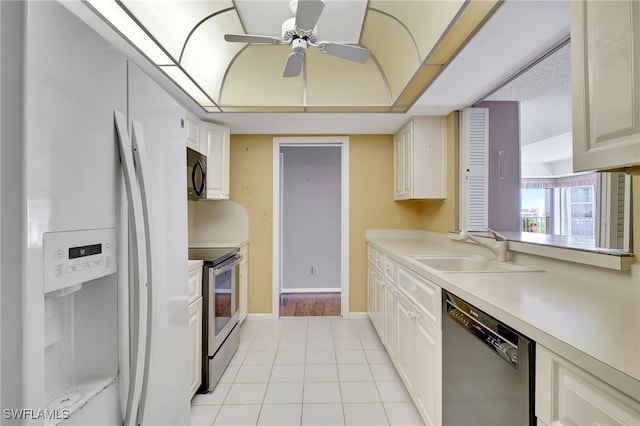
<point>419,358</point>
<point>243,283</point>
<point>371,293</point>
<point>375,297</point>
<point>428,370</point>
<point>379,305</point>
<point>195,324</point>
<point>405,330</point>
<point>195,333</point>
<point>405,310</point>
<point>389,318</point>
<point>569,395</point>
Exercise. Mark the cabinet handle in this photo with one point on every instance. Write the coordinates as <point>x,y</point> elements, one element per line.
<point>412,315</point>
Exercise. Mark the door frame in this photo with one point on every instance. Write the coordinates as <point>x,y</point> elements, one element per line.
<point>343,143</point>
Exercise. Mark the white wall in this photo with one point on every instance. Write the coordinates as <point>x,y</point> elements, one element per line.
<point>311,188</point>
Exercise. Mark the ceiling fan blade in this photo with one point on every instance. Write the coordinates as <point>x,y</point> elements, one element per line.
<point>248,38</point>
<point>294,65</point>
<point>352,53</point>
<point>308,13</point>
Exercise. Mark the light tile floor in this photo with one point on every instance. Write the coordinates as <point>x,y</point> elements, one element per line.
<point>308,371</point>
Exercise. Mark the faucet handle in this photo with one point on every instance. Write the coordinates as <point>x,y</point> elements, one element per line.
<point>498,236</point>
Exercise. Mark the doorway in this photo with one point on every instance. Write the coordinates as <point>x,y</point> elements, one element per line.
<point>310,226</point>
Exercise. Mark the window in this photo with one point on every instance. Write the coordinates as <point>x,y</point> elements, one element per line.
<point>592,210</point>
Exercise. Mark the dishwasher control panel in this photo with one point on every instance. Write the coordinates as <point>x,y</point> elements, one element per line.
<point>495,335</point>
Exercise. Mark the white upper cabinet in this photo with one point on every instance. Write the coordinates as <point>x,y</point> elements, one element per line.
<point>216,139</point>
<point>192,129</point>
<point>605,62</point>
<point>420,159</point>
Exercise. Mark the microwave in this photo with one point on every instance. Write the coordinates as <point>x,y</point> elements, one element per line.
<point>196,175</point>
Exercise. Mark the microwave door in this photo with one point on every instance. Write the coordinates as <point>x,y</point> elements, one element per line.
<point>198,179</point>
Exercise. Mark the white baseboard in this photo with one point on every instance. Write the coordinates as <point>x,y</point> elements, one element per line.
<point>311,290</point>
<point>260,317</point>
<point>351,315</point>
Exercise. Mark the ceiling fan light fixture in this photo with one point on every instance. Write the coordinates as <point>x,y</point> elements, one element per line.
<point>299,46</point>
<point>290,32</point>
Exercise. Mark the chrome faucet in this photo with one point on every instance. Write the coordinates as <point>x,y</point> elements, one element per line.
<point>498,247</point>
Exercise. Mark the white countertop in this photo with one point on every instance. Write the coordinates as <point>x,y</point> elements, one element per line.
<point>218,243</point>
<point>593,324</point>
<point>194,264</point>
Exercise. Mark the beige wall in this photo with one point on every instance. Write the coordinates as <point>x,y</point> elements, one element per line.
<point>371,206</point>
<point>252,165</point>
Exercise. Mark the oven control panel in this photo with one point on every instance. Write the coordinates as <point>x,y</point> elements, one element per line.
<point>75,257</point>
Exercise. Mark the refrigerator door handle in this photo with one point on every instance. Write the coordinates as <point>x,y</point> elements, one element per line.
<point>139,271</point>
<point>142,169</point>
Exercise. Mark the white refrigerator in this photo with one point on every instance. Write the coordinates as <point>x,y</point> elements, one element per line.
<point>93,303</point>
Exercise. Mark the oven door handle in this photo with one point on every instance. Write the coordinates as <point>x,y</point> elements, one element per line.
<point>227,265</point>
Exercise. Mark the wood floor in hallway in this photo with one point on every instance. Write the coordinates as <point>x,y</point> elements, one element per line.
<point>309,304</point>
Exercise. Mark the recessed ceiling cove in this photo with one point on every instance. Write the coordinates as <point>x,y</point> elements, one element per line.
<point>259,55</point>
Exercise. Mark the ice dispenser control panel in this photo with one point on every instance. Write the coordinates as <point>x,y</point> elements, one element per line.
<point>74,257</point>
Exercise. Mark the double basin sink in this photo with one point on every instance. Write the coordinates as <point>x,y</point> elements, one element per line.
<point>468,264</point>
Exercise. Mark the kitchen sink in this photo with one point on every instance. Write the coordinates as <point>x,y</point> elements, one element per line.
<point>468,264</point>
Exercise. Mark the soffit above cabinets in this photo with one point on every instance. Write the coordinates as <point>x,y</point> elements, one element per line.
<point>411,41</point>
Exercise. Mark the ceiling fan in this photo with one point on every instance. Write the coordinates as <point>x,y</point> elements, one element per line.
<point>300,32</point>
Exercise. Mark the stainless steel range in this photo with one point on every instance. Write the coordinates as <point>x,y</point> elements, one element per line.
<point>220,335</point>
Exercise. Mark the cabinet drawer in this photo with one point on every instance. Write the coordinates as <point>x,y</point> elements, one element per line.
<point>195,281</point>
<point>568,395</point>
<point>389,268</point>
<point>375,257</point>
<point>423,293</point>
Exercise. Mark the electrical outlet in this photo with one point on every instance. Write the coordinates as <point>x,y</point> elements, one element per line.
<point>246,188</point>
<point>314,270</point>
<point>264,215</point>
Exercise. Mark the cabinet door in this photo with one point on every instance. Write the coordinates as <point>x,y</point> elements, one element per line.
<point>195,333</point>
<point>568,395</point>
<point>379,305</point>
<point>402,162</point>
<point>405,326</point>
<point>371,293</point>
<point>389,318</point>
<point>217,142</point>
<point>195,283</point>
<point>192,128</point>
<point>428,372</point>
<point>605,64</point>
<point>397,166</point>
<point>244,287</point>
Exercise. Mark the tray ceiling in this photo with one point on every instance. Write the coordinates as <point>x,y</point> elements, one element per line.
<point>410,43</point>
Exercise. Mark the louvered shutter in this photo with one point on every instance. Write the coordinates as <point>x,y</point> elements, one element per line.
<point>613,211</point>
<point>475,169</point>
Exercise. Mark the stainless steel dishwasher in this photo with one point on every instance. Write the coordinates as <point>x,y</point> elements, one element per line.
<point>487,369</point>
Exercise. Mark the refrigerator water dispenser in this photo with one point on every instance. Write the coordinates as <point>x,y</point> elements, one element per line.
<point>81,317</point>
